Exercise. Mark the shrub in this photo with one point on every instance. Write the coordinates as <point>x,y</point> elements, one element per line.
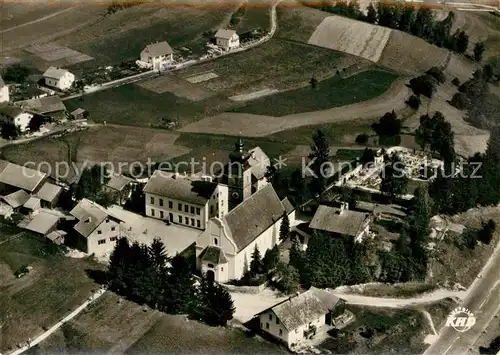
<point>437,74</point>
<point>460,101</point>
<point>414,102</point>
<point>362,138</point>
<point>424,85</point>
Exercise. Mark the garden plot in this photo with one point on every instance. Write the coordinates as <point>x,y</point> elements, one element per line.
<point>350,36</point>
<point>177,86</point>
<point>202,77</point>
<point>254,95</point>
<point>52,52</point>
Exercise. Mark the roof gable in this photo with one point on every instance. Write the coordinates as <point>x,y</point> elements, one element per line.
<point>90,216</point>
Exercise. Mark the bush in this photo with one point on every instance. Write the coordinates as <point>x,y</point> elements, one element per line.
<point>460,101</point>
<point>437,74</point>
<point>16,73</point>
<point>414,102</point>
<point>424,85</point>
<point>456,82</point>
<point>362,138</point>
<point>388,125</point>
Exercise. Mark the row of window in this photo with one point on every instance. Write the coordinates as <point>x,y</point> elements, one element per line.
<point>103,241</point>
<point>113,228</point>
<point>267,327</point>
<point>187,208</point>
<point>187,220</point>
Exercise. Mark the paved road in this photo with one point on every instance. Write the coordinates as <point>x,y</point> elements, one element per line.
<point>483,300</point>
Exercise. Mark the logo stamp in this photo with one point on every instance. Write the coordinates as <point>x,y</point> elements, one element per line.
<point>461,319</point>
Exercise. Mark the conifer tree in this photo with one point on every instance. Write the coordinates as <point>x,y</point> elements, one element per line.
<point>285,227</point>
<point>256,263</point>
<point>180,293</point>
<point>215,305</point>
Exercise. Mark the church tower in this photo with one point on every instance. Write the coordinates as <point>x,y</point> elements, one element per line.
<point>238,174</point>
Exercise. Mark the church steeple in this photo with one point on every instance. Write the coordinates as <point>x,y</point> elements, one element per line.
<point>239,153</point>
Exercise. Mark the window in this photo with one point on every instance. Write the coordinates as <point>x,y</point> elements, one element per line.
<point>270,317</point>
<point>152,212</point>
<point>170,204</point>
<point>221,268</point>
<point>198,223</point>
<point>180,219</point>
<point>161,215</point>
<point>180,206</point>
<point>113,228</point>
<point>211,266</point>
<point>211,210</point>
<point>192,222</point>
<point>192,210</point>
<point>186,220</point>
<point>171,217</point>
<point>186,208</point>
<point>216,241</point>
<point>113,239</point>
<point>281,332</point>
<point>198,211</point>
<point>161,202</point>
<point>267,325</point>
<point>99,232</point>
<point>102,241</point>
<point>107,220</point>
<point>222,202</point>
<point>296,331</point>
<point>277,320</point>
<point>152,200</point>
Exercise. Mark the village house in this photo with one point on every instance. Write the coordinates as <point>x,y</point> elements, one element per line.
<point>224,249</point>
<point>157,54</point>
<point>46,106</point>
<point>58,78</point>
<point>121,186</point>
<point>227,39</point>
<point>97,230</point>
<point>190,201</point>
<point>4,91</point>
<point>49,195</point>
<point>245,173</point>
<point>41,221</point>
<point>301,317</point>
<point>14,177</point>
<point>16,116</point>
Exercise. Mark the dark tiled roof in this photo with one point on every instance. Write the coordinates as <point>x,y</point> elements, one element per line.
<point>253,216</point>
<point>288,205</point>
<point>48,192</point>
<point>20,176</point>
<point>329,219</point>
<point>214,255</point>
<point>118,182</point>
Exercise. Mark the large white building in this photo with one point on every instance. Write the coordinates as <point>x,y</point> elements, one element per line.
<point>190,201</point>
<point>58,78</point>
<point>157,54</point>
<point>4,91</point>
<point>227,39</point>
<point>16,116</point>
<point>224,249</point>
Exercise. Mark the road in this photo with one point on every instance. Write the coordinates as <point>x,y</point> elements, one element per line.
<point>483,300</point>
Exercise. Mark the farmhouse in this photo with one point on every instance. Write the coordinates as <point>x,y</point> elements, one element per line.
<point>48,105</point>
<point>58,78</point>
<point>299,318</point>
<point>157,54</point>
<point>42,222</point>
<point>4,91</point>
<point>15,115</point>
<point>97,230</point>
<point>340,221</point>
<point>49,194</point>
<point>185,200</point>
<point>14,177</point>
<point>224,249</point>
<point>245,173</point>
<point>227,39</point>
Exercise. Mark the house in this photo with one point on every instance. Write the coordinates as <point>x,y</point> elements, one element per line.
<point>185,200</point>
<point>97,230</point>
<point>16,199</point>
<point>340,221</point>
<point>15,115</point>
<point>79,113</point>
<point>49,194</point>
<point>4,91</point>
<point>48,105</point>
<point>14,177</point>
<point>121,186</point>
<point>224,249</point>
<point>33,204</point>
<point>227,39</point>
<point>58,78</point>
<point>42,222</point>
<point>299,318</point>
<point>245,173</point>
<point>157,54</point>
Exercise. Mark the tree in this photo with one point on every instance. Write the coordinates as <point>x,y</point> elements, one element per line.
<point>394,181</point>
<point>256,263</point>
<point>371,15</point>
<point>314,83</point>
<point>296,255</point>
<point>158,255</point>
<point>9,130</point>
<point>16,73</point>
<point>437,74</point>
<point>461,41</point>
<point>106,198</point>
<point>215,305</point>
<point>479,51</point>
<point>271,259</point>
<point>421,212</point>
<point>35,123</point>
<point>460,101</point>
<point>320,153</point>
<point>288,278</point>
<point>414,102</point>
<point>118,266</point>
<point>486,233</point>
<point>284,227</point>
<point>456,81</point>
<point>389,125</point>
<point>367,157</point>
<point>180,291</point>
<point>91,182</point>
<point>424,85</point>
<point>362,138</point>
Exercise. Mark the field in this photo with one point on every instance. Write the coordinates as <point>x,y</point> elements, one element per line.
<point>177,86</point>
<point>256,16</point>
<point>106,327</point>
<point>54,287</point>
<point>353,37</point>
<point>333,92</point>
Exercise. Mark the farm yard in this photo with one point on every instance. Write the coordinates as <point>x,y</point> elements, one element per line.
<point>54,287</point>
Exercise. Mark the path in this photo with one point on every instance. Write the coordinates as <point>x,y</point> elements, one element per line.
<point>58,325</point>
<point>37,20</point>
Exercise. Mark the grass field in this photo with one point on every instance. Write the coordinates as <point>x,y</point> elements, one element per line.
<point>333,92</point>
<point>54,287</point>
<point>256,16</point>
<point>115,325</point>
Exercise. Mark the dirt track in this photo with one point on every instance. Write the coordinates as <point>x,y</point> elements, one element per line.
<point>257,125</point>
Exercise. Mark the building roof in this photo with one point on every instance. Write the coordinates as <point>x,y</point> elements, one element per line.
<point>380,209</point>
<point>43,222</point>
<point>330,219</point>
<point>10,111</point>
<point>55,73</point>
<point>253,216</point>
<point>225,33</point>
<point>118,182</point>
<point>214,255</point>
<point>185,189</point>
<point>157,49</point>
<point>78,111</point>
<point>90,216</point>
<point>48,192</point>
<point>304,308</point>
<point>288,205</point>
<point>258,161</point>
<point>20,176</point>
<point>16,199</point>
<point>32,203</point>
<point>43,105</point>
